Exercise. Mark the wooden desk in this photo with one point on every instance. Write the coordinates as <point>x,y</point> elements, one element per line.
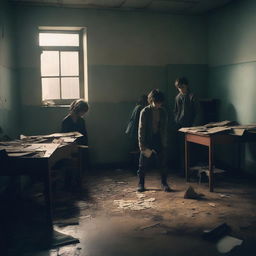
<point>41,164</point>
<point>210,141</point>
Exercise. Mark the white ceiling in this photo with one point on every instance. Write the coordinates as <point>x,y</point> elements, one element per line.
<point>170,6</point>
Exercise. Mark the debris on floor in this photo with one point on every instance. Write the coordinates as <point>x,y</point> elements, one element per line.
<point>217,232</point>
<point>203,172</point>
<point>59,239</point>
<point>227,243</point>
<point>141,222</point>
<point>192,194</point>
<point>140,195</point>
<point>150,226</point>
<point>205,168</point>
<point>85,217</point>
<point>135,205</point>
<point>69,250</point>
<point>224,195</point>
<point>67,222</point>
<point>128,190</point>
<point>212,204</point>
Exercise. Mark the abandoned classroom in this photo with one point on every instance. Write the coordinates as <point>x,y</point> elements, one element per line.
<point>127,127</point>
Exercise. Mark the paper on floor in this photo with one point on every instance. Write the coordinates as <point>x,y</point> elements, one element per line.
<point>227,243</point>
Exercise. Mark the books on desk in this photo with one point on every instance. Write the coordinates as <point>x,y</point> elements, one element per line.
<point>220,127</point>
<point>239,130</point>
<point>204,130</point>
<point>53,135</point>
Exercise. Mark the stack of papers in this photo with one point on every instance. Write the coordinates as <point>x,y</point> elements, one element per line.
<point>224,126</point>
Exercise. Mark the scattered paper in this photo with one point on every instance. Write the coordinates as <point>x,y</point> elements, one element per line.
<point>20,154</point>
<point>147,152</point>
<point>238,132</point>
<point>150,226</point>
<point>221,123</point>
<point>140,195</point>
<point>205,130</point>
<point>218,127</point>
<point>135,205</point>
<point>227,243</point>
<point>223,195</point>
<point>85,217</point>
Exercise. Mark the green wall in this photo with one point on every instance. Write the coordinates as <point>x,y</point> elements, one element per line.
<point>232,71</point>
<point>235,86</point>
<point>9,107</point>
<point>9,100</point>
<point>128,54</point>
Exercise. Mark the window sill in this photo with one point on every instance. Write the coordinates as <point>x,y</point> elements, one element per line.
<point>55,106</point>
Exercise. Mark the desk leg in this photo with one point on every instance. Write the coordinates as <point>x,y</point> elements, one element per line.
<point>211,178</point>
<point>187,159</point>
<point>48,197</point>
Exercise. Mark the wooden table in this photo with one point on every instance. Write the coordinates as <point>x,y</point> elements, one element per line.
<point>210,141</point>
<point>41,165</point>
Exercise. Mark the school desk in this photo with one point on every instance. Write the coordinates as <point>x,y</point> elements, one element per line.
<point>38,159</point>
<point>210,141</point>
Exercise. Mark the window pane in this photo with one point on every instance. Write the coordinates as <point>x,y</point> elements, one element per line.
<point>58,39</point>
<point>50,63</point>
<point>70,88</point>
<point>69,64</point>
<point>50,88</point>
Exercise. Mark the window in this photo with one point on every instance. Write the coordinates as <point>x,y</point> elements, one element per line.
<point>62,70</point>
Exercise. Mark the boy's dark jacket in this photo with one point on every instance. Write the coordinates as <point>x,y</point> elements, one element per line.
<point>132,127</point>
<point>186,110</point>
<point>145,131</point>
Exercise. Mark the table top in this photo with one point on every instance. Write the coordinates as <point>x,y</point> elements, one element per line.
<point>41,146</point>
<point>210,130</point>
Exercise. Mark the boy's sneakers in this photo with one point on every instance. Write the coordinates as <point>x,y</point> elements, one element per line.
<point>166,188</point>
<point>141,187</point>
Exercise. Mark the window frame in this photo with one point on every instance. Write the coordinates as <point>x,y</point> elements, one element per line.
<point>60,49</point>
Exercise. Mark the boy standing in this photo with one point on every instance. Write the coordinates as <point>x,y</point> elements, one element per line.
<point>186,114</point>
<point>152,138</point>
<point>186,109</point>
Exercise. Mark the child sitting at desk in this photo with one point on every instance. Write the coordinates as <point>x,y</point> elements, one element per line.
<point>74,121</point>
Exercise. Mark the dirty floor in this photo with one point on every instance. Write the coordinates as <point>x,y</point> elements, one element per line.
<point>111,219</point>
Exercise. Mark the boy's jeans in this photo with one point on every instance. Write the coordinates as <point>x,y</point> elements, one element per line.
<point>159,158</point>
